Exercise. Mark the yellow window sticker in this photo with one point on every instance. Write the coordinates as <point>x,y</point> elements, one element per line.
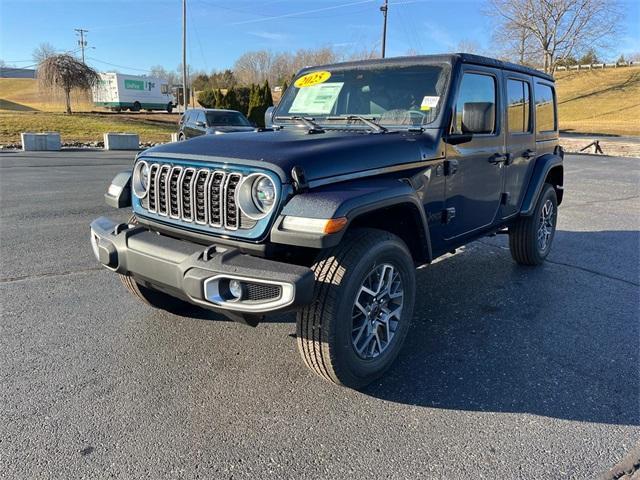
<point>311,79</point>
<point>429,102</point>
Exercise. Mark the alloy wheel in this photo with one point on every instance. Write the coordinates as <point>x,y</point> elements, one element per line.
<point>377,311</point>
<point>546,225</point>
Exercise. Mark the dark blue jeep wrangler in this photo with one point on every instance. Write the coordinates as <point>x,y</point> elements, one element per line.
<point>368,170</point>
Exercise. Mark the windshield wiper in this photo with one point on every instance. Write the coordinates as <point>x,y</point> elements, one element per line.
<point>312,126</point>
<point>376,127</point>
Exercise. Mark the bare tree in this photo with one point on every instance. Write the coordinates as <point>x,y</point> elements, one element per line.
<point>158,71</point>
<point>468,46</point>
<point>557,28</point>
<point>42,52</point>
<point>64,72</point>
<point>253,67</point>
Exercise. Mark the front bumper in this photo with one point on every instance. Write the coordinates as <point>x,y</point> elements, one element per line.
<point>200,274</point>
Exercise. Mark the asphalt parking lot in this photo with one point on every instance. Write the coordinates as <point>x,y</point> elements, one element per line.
<point>509,372</point>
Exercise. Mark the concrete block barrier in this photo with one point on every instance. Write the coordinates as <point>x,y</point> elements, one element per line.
<point>174,137</point>
<point>121,141</point>
<point>47,141</point>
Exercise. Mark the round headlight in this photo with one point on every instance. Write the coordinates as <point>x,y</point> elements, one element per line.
<point>140,180</point>
<point>256,196</point>
<point>264,194</point>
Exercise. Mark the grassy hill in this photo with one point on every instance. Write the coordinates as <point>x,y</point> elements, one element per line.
<point>24,107</point>
<point>597,101</point>
<point>600,101</point>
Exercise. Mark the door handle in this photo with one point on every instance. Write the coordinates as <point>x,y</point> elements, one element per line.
<point>499,158</point>
<point>528,153</point>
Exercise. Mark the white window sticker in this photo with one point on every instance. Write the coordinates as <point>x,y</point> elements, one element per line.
<point>429,102</point>
<point>318,99</point>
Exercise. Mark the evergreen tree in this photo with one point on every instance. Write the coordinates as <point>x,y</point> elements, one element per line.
<point>207,98</point>
<point>231,100</point>
<point>254,105</point>
<point>267,97</point>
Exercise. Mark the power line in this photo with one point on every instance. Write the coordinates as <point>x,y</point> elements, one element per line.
<point>118,66</point>
<point>295,14</point>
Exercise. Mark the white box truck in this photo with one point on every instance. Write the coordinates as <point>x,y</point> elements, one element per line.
<point>118,92</point>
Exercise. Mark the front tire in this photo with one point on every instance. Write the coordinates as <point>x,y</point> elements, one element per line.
<point>136,107</point>
<point>362,308</point>
<point>531,237</point>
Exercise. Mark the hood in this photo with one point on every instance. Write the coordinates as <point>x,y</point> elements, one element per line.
<point>231,129</point>
<point>321,155</point>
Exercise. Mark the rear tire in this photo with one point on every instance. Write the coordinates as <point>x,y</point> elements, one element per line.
<point>530,238</point>
<point>149,296</point>
<point>136,107</point>
<point>337,339</point>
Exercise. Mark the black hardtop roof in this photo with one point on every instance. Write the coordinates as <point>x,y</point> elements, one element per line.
<point>450,58</point>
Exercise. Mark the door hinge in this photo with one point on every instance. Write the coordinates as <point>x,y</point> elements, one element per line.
<point>448,214</point>
<point>450,167</point>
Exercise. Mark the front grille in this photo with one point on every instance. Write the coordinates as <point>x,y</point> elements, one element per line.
<point>202,196</point>
<point>261,291</point>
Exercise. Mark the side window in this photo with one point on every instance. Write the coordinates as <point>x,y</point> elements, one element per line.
<point>518,106</point>
<point>476,105</point>
<point>164,88</point>
<point>545,111</point>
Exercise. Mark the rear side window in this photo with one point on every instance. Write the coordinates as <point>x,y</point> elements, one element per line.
<point>477,95</point>
<point>545,111</point>
<point>518,106</point>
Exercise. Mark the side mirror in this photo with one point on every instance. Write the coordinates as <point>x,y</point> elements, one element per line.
<point>200,124</point>
<point>478,117</point>
<point>268,117</point>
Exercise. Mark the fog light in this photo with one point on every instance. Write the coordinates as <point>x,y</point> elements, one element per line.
<point>235,289</point>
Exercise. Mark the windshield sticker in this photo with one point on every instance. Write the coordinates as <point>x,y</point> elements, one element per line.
<point>429,102</point>
<point>318,99</point>
<point>311,79</point>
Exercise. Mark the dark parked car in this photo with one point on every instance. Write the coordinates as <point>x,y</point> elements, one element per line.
<point>370,170</point>
<point>198,121</point>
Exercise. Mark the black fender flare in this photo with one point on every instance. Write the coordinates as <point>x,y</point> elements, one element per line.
<point>118,194</point>
<point>541,169</point>
<point>350,200</point>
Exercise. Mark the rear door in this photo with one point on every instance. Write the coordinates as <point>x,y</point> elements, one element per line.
<point>474,169</point>
<point>521,141</point>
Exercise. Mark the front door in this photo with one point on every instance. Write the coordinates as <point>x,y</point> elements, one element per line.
<point>474,169</point>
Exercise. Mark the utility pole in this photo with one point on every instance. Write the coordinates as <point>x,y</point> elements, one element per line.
<point>82,42</point>
<point>184,54</point>
<point>384,9</point>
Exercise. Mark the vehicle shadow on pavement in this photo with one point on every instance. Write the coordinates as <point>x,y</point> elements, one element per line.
<point>557,340</point>
<point>560,340</point>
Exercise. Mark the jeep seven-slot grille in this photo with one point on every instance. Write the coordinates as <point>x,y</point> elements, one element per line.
<point>202,196</point>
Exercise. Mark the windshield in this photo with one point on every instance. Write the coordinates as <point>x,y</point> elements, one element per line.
<point>393,96</point>
<point>227,119</point>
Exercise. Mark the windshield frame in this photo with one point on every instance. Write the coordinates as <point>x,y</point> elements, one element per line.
<point>283,118</point>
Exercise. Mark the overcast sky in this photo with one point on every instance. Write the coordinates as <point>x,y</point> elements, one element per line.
<point>133,35</point>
